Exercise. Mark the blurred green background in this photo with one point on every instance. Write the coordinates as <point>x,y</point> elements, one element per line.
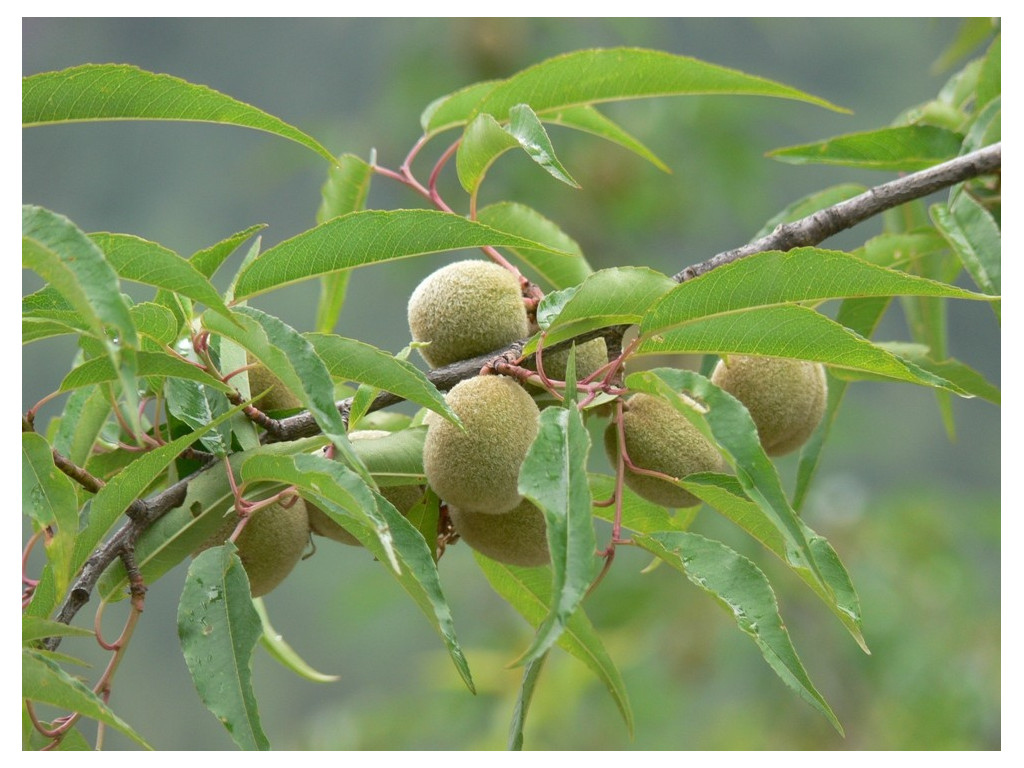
<point>915,516</point>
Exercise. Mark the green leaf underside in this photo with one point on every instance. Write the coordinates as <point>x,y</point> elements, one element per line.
<point>740,586</point>
<point>616,296</point>
<point>178,533</point>
<point>727,423</point>
<point>219,628</point>
<point>49,497</point>
<point>279,650</point>
<point>904,148</point>
<point>197,406</point>
<point>725,495</point>
<point>966,380</point>
<point>42,680</point>
<point>563,269</point>
<point>601,75</point>
<point>99,370</point>
<point>368,237</point>
<point>554,477</point>
<point>638,514</point>
<point>208,260</point>
<point>975,237</point>
<point>528,590</point>
<point>789,331</point>
<point>124,92</point>
<point>351,360</point>
<point>143,261</point>
<point>129,484</point>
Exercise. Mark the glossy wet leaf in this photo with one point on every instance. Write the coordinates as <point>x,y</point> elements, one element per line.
<point>124,92</point>
<point>219,628</point>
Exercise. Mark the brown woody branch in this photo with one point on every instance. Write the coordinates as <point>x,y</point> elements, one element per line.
<point>808,231</point>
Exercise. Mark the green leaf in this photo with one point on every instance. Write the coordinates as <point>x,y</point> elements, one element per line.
<point>740,587</point>
<point>208,260</point>
<point>129,484</point>
<point>178,533</point>
<point>725,495</point>
<point>561,269</point>
<point>282,652</point>
<point>196,406</point>
<point>368,237</point>
<point>99,370</point>
<point>528,130</point>
<point>990,79</point>
<point>156,322</point>
<point>75,266</point>
<point>124,92</point>
<point>36,628</point>
<point>351,360</point>
<point>531,673</point>
<point>812,203</point>
<point>554,477</point>
<point>528,590</point>
<point>904,148</point>
<point>797,332</point>
<point>972,32</point>
<point>638,514</point>
<point>726,422</point>
<point>44,681</point>
<point>975,238</point>
<point>294,360</point>
<point>616,296</point>
<point>149,263</point>
<point>48,497</point>
<point>345,191</point>
<point>38,329</point>
<point>218,629</point>
<point>589,120</point>
<point>601,75</point>
<point>483,142</point>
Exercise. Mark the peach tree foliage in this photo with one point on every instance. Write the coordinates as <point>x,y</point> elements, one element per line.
<point>160,434</point>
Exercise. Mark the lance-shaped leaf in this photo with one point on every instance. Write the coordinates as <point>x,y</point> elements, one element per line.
<point>179,532</point>
<point>44,681</point>
<point>351,360</point>
<point>589,120</point>
<point>616,296</point>
<point>485,140</point>
<point>725,495</point>
<point>726,422</point>
<point>149,263</point>
<point>531,673</point>
<point>554,477</point>
<point>124,92</point>
<point>777,277</point>
<point>975,238</point>
<point>282,652</point>
<point>528,590</point>
<point>295,362</point>
<point>904,148</point>
<point>790,331</point>
<point>638,514</point>
<point>196,406</point>
<point>99,370</point>
<point>740,587</point>
<point>156,323</point>
<point>368,237</point>
<point>600,75</point>
<point>129,484</point>
<point>36,628</point>
<point>48,497</point>
<point>563,269</point>
<point>219,628</point>
<point>345,191</point>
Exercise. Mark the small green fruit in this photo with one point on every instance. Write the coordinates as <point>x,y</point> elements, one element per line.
<point>517,537</point>
<point>466,309</point>
<point>660,438</point>
<point>279,398</point>
<point>478,470</point>
<point>590,355</point>
<point>403,497</point>
<point>269,546</point>
<point>786,398</point>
